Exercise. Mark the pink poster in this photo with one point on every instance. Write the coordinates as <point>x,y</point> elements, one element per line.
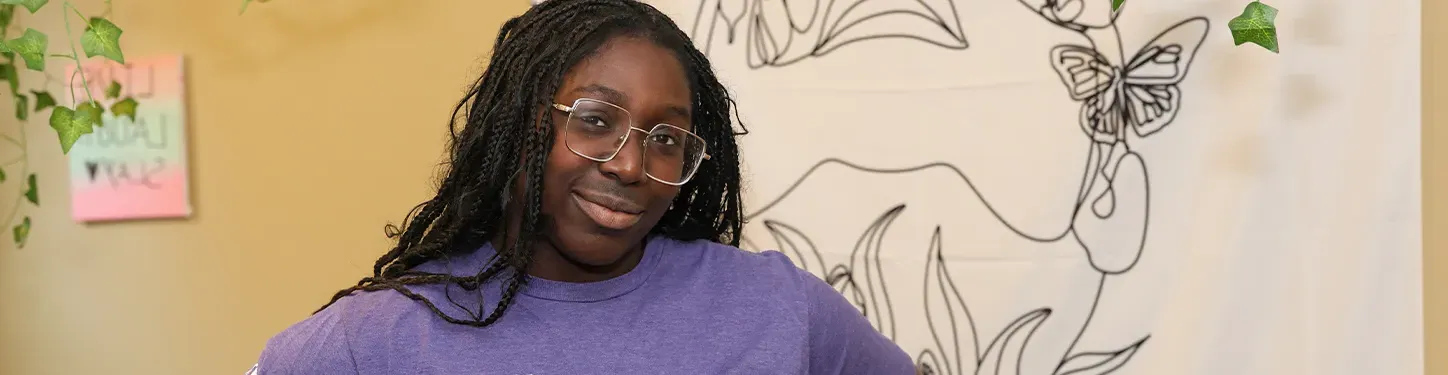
<point>132,168</point>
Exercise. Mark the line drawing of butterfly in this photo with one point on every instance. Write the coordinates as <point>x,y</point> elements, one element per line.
<point>1141,94</point>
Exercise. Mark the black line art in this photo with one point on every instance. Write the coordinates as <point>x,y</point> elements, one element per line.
<point>1124,99</point>
<point>783,32</point>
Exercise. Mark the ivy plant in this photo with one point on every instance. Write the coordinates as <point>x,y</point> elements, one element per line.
<point>30,49</point>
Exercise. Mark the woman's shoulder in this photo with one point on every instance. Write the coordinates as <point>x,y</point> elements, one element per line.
<point>757,273</point>
<point>841,339</point>
<point>325,342</point>
<point>731,260</point>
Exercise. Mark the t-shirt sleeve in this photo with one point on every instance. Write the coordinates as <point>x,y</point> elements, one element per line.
<point>315,346</point>
<point>841,339</point>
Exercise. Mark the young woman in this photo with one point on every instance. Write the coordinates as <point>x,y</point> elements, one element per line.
<point>587,224</point>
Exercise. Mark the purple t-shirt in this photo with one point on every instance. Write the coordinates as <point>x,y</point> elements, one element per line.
<point>688,308</point>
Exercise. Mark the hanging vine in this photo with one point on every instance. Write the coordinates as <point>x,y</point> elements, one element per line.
<point>31,49</point>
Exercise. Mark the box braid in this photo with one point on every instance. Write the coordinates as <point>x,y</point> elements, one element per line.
<point>507,132</point>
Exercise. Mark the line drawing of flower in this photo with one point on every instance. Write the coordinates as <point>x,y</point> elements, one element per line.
<point>1076,15</point>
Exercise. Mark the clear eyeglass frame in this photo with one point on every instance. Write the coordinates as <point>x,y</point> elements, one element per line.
<point>691,167</point>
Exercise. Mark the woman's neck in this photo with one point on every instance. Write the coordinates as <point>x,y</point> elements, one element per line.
<point>550,263</point>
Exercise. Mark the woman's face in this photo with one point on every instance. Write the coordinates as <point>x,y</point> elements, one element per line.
<point>601,210</point>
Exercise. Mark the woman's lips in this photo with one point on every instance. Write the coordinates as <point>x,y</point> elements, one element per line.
<point>606,216</point>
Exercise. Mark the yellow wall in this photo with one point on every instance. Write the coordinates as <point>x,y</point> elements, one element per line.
<point>306,136</point>
<point>313,123</point>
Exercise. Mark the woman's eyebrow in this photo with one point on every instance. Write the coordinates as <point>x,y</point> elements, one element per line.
<point>608,93</point>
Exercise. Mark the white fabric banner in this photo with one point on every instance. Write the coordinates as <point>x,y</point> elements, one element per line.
<point>1043,187</point>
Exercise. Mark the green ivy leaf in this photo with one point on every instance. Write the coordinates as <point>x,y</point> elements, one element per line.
<point>1116,4</point>
<point>43,100</point>
<point>22,232</point>
<point>1256,25</point>
<point>32,5</point>
<point>22,107</point>
<point>9,72</point>
<point>114,90</point>
<point>2,175</point>
<point>70,125</point>
<point>31,193</point>
<point>93,111</point>
<point>102,38</point>
<point>125,107</point>
<point>31,47</point>
<point>244,3</point>
<point>7,14</point>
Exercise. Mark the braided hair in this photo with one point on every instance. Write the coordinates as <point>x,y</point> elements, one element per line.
<point>507,133</point>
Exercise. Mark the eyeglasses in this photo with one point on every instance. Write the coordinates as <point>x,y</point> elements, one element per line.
<point>597,130</point>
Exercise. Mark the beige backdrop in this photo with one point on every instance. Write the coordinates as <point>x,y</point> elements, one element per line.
<point>1284,228</point>
<point>307,136</point>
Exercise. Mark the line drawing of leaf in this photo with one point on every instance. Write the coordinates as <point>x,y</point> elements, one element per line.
<point>927,363</point>
<point>781,33</point>
<point>1011,343</point>
<point>861,20</point>
<point>844,281</point>
<point>867,253</point>
<point>1099,363</point>
<point>794,243</point>
<point>941,293</point>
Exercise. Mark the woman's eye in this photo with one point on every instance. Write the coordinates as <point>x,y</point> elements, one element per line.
<point>664,140</point>
<point>593,120</point>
